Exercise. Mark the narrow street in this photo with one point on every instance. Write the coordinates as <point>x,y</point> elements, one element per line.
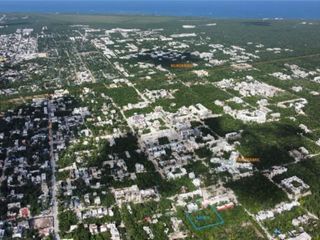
<point>53,180</point>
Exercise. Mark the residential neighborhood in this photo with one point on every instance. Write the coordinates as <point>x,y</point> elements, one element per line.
<point>126,127</point>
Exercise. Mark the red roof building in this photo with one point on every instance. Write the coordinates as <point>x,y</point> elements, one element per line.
<point>24,212</point>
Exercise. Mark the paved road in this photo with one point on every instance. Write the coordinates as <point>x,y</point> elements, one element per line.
<point>259,223</point>
<point>53,168</point>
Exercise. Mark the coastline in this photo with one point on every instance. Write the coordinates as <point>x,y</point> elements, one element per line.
<point>297,10</point>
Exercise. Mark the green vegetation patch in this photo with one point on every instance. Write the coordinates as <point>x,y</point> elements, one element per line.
<point>223,125</point>
<point>204,218</point>
<point>237,225</point>
<point>124,95</point>
<point>141,215</point>
<point>257,193</point>
<point>270,143</point>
